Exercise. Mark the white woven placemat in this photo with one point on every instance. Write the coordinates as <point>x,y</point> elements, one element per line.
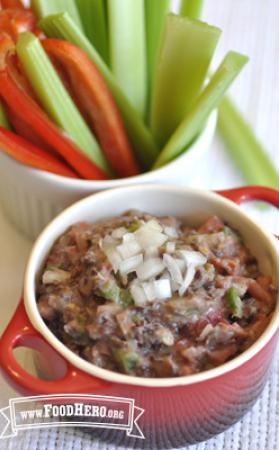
<point>250,26</point>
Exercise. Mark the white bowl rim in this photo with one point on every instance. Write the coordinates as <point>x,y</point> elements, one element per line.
<point>95,371</point>
<point>145,177</point>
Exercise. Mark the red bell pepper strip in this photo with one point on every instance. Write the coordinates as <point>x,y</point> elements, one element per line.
<point>95,102</point>
<point>28,133</point>
<point>17,73</point>
<point>9,58</point>
<point>7,46</point>
<point>24,152</point>
<point>22,105</point>
<point>4,4</point>
<point>16,21</point>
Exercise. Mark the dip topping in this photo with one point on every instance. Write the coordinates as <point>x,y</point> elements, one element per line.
<point>160,267</point>
<point>152,297</point>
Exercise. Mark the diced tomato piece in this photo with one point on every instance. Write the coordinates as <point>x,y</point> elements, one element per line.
<point>212,225</point>
<point>226,265</point>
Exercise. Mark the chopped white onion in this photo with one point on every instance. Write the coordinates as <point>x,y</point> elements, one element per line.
<point>55,276</point>
<point>181,264</point>
<point>188,278</point>
<point>113,257</point>
<point>170,247</point>
<point>173,268</point>
<point>138,295</point>
<point>149,290</point>
<point>118,233</point>
<point>148,236</point>
<point>128,249</point>
<point>194,258</point>
<point>166,275</point>
<point>153,224</point>
<point>139,251</point>
<point>205,332</point>
<point>129,237</point>
<point>151,251</point>
<point>170,232</point>
<point>163,289</point>
<point>130,264</point>
<point>165,335</point>
<point>174,286</point>
<point>108,241</point>
<point>157,289</point>
<point>150,268</point>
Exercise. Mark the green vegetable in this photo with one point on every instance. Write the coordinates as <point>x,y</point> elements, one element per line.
<point>191,8</point>
<point>185,52</point>
<point>127,360</point>
<point>155,12</point>
<point>4,122</point>
<point>208,267</point>
<point>61,26</point>
<point>127,49</point>
<point>133,226</point>
<point>55,98</point>
<point>190,312</point>
<point>205,104</point>
<point>234,302</point>
<point>43,8</point>
<point>244,148</point>
<point>125,298</point>
<point>111,291</point>
<point>94,22</point>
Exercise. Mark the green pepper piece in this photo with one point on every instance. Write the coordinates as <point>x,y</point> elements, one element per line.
<point>234,302</point>
<point>111,291</point>
<point>126,298</point>
<point>133,226</point>
<point>127,360</point>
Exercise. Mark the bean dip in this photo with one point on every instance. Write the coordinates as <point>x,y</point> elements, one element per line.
<point>152,297</point>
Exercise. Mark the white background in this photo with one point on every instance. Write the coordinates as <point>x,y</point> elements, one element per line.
<point>252,27</point>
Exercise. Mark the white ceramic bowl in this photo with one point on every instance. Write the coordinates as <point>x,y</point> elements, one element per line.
<point>31,198</point>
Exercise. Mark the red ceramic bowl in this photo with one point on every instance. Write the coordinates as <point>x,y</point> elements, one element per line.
<point>177,411</point>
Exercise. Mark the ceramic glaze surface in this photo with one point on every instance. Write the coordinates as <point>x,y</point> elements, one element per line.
<point>177,410</point>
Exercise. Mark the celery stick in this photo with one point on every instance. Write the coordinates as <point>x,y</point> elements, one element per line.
<point>3,118</point>
<point>206,102</point>
<point>94,22</point>
<point>55,98</point>
<point>186,50</point>
<point>127,49</point>
<point>244,148</point>
<point>191,8</point>
<point>155,13</point>
<point>43,8</point>
<point>62,26</point>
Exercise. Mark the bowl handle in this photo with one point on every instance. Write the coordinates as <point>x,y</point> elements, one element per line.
<point>246,193</point>
<point>21,333</point>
